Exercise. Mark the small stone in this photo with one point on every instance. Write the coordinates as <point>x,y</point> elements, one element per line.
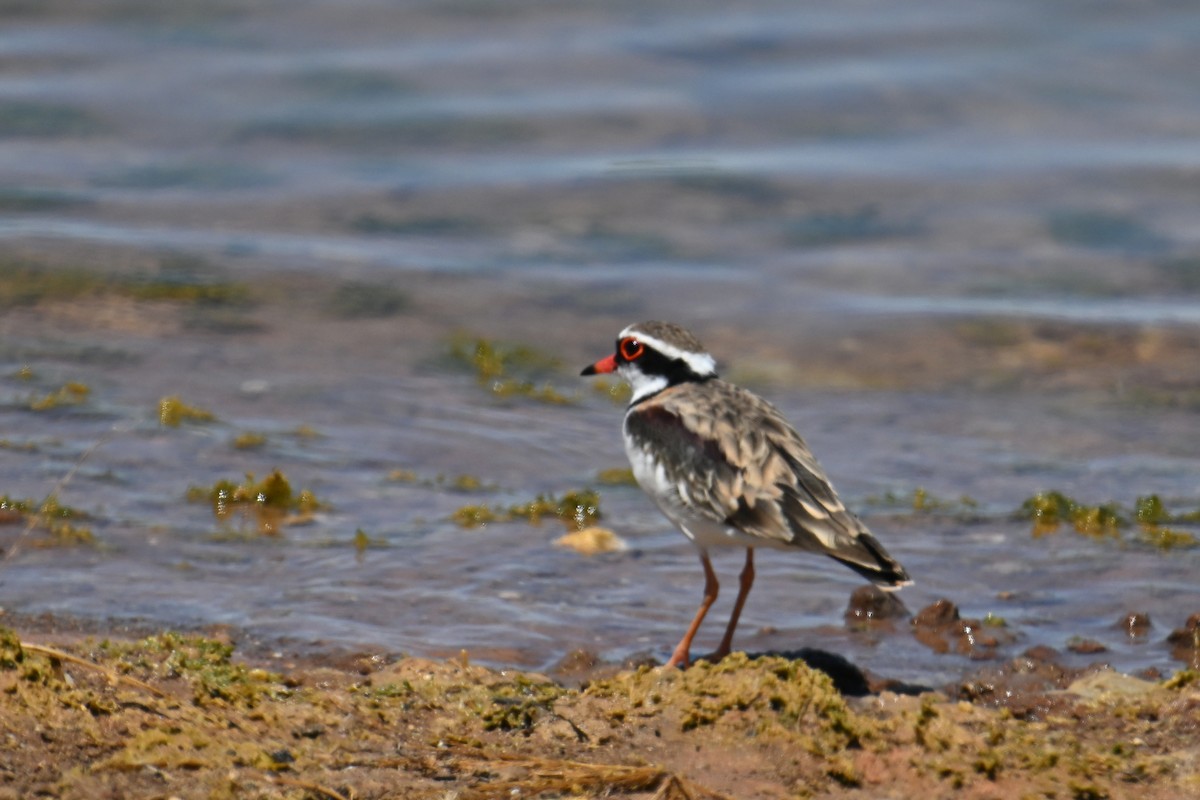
<point>1110,682</point>
<point>1086,646</point>
<point>591,541</point>
<point>1188,635</point>
<point>872,604</point>
<point>577,661</point>
<point>936,615</point>
<point>1185,642</point>
<point>1042,653</point>
<point>1135,624</point>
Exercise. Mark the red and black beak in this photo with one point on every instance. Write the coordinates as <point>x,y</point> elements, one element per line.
<point>601,367</point>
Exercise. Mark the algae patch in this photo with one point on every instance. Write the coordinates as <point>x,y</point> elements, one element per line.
<point>507,370</point>
<point>577,509</point>
<point>179,280</point>
<point>173,412</point>
<point>1149,518</point>
<point>776,696</point>
<point>269,503</point>
<point>462,482</point>
<point>206,665</point>
<point>72,393</point>
<point>922,501</point>
<point>57,522</point>
<point>249,440</point>
<point>617,476</point>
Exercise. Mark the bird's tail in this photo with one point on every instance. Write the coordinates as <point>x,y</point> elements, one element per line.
<point>879,568</point>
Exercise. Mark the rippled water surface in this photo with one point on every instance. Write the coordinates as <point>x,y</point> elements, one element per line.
<point>955,242</point>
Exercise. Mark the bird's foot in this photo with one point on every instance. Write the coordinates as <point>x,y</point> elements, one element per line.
<point>679,659</point>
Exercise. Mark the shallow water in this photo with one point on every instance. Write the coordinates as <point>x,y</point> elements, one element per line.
<point>954,242</point>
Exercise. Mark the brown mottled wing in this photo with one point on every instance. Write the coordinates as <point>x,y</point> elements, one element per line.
<point>747,466</point>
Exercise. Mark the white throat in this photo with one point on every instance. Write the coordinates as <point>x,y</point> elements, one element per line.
<point>643,385</point>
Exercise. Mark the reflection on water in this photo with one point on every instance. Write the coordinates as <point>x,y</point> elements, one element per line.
<point>956,244</point>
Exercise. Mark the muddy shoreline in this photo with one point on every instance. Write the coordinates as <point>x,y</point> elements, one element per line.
<point>93,712</point>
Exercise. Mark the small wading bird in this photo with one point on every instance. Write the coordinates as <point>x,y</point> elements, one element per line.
<point>727,468</point>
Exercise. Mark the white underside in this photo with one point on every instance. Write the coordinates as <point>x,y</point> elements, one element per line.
<point>671,499</point>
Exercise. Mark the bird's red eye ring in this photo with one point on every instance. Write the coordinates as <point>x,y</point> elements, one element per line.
<point>631,348</point>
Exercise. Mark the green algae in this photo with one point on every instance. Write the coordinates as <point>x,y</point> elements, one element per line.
<point>178,280</point>
<point>577,509</point>
<point>403,476</point>
<point>307,432</point>
<point>179,291</point>
<point>12,655</point>
<point>1168,538</point>
<point>508,370</point>
<point>56,521</point>
<point>785,698</point>
<point>517,706</point>
<point>206,665</point>
<point>249,440</point>
<point>476,516</point>
<point>270,503</point>
<point>617,476</point>
<point>72,393</point>
<point>1049,511</point>
<point>922,501</point>
<point>462,482</point>
<point>363,541</point>
<point>173,412</point>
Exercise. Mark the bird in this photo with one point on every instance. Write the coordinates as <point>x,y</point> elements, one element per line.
<point>727,469</point>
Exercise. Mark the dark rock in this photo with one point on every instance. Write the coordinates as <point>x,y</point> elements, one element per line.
<point>1029,687</point>
<point>847,677</point>
<point>1185,642</point>
<point>1135,624</point>
<point>576,662</point>
<point>1086,647</point>
<point>1041,652</point>
<point>871,606</point>
<point>939,613</point>
<point>939,627</point>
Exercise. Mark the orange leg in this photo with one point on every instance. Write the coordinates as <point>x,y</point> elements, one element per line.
<point>680,657</point>
<point>745,581</point>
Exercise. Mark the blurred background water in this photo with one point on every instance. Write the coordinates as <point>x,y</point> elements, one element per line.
<point>955,241</point>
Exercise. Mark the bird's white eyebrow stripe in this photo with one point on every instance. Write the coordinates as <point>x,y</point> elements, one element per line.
<point>701,363</point>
